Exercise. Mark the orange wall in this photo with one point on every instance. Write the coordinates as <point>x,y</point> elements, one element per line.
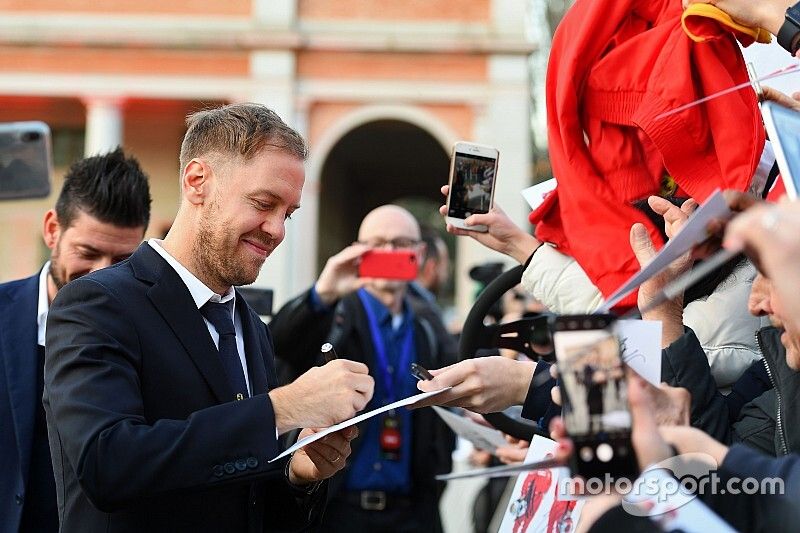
<point>153,131</point>
<point>425,10</point>
<point>123,61</point>
<point>324,115</point>
<point>379,66</point>
<point>178,7</point>
<point>57,112</point>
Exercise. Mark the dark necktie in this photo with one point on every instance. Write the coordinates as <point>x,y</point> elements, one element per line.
<point>219,315</point>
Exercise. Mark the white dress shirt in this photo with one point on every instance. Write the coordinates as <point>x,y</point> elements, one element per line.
<point>201,294</point>
<point>44,304</point>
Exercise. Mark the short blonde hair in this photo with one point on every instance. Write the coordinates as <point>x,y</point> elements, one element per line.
<point>241,130</point>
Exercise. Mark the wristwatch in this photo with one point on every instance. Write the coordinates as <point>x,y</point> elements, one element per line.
<point>789,34</point>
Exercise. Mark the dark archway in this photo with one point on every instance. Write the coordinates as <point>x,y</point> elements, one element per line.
<point>380,162</point>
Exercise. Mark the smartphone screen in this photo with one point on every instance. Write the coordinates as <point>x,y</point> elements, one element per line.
<point>25,160</point>
<point>594,395</point>
<point>471,184</point>
<point>783,127</point>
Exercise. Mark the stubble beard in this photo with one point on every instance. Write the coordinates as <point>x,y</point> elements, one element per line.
<point>55,267</point>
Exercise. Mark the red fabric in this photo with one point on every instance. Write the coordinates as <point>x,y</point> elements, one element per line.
<point>778,190</point>
<point>614,66</point>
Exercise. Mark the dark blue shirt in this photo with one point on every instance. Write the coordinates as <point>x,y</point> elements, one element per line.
<point>368,470</point>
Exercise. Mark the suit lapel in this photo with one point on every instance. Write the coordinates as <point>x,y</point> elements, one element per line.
<point>254,348</point>
<point>175,304</point>
<point>18,335</point>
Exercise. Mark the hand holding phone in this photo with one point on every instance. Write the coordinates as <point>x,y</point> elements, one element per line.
<point>473,169</point>
<point>389,264</point>
<point>594,395</point>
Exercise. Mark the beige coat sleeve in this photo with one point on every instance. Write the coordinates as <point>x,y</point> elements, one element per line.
<point>559,283</point>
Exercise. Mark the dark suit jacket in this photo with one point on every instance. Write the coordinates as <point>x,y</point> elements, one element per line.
<point>143,430</point>
<point>299,332</point>
<point>18,395</point>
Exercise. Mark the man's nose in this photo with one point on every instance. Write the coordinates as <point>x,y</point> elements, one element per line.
<point>274,226</point>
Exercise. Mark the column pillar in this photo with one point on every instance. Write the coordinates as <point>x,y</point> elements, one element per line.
<point>274,72</point>
<point>104,124</point>
<point>502,122</point>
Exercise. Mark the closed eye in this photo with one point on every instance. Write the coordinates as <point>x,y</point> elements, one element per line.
<point>261,206</point>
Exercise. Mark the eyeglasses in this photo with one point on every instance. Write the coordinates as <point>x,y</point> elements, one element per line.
<point>398,243</point>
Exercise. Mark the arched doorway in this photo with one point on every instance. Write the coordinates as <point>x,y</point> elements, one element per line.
<point>375,163</point>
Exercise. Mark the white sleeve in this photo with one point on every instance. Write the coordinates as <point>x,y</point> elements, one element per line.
<point>559,283</point>
<point>725,328</point>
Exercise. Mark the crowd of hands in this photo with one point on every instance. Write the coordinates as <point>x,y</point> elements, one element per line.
<point>766,233</point>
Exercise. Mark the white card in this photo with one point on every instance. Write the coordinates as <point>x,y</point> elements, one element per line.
<point>411,400</point>
<point>536,194</point>
<point>691,234</point>
<point>482,437</point>
<point>640,341</point>
<point>535,503</point>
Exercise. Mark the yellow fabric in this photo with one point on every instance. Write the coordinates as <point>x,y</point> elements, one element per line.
<point>745,34</point>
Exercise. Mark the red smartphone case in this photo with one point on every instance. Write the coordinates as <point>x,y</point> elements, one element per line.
<point>389,264</point>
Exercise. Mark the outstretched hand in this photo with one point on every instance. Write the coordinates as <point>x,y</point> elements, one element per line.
<point>502,234</point>
<point>767,14</point>
<point>670,313</point>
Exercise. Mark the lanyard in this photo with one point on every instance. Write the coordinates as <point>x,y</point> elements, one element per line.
<point>380,348</point>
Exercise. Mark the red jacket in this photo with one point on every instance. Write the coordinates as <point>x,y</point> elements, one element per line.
<point>615,65</point>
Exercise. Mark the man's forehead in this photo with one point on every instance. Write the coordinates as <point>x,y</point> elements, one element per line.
<point>89,231</point>
<point>389,222</point>
<point>388,230</point>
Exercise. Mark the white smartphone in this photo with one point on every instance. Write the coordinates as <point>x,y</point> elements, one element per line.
<point>783,127</point>
<point>473,169</point>
<point>26,163</point>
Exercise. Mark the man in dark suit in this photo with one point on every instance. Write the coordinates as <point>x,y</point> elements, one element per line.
<point>99,219</point>
<point>162,405</point>
<point>389,484</point>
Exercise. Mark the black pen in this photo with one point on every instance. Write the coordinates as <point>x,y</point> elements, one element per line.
<point>420,372</point>
<point>328,352</point>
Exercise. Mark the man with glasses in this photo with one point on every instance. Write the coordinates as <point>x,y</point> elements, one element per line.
<point>388,483</point>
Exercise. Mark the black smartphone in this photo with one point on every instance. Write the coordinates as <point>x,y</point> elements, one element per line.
<point>420,372</point>
<point>594,396</point>
<point>26,162</point>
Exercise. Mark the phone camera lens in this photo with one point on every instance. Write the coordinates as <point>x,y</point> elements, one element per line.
<point>31,136</point>
<point>586,454</point>
<point>605,452</point>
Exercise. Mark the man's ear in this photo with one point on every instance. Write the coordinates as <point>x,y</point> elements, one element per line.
<point>51,229</point>
<point>421,253</point>
<point>196,182</point>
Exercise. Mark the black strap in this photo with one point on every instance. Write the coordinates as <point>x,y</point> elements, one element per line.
<point>771,177</point>
<point>788,35</point>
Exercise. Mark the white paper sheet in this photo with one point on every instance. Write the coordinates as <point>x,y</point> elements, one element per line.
<point>693,233</point>
<point>482,437</point>
<point>356,419</point>
<point>640,341</point>
<point>535,195</point>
